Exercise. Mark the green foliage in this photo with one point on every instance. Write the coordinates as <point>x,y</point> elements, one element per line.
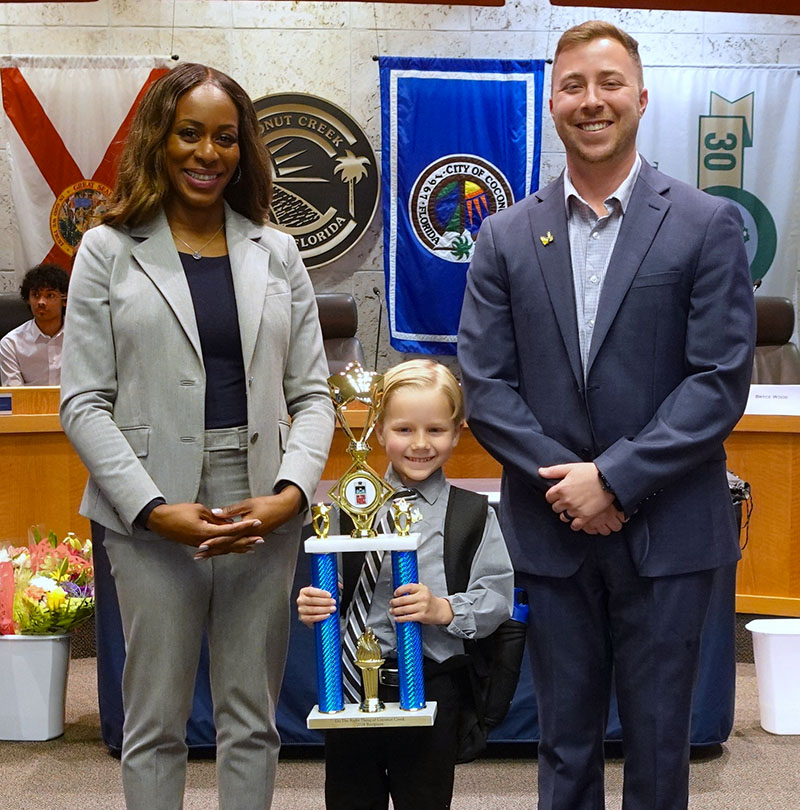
<point>36,619</point>
<point>462,247</point>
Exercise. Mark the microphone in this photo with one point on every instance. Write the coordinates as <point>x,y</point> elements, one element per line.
<point>378,332</point>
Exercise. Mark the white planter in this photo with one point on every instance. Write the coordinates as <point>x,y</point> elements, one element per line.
<point>33,686</point>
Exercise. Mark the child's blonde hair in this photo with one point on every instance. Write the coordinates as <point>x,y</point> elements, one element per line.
<point>424,374</point>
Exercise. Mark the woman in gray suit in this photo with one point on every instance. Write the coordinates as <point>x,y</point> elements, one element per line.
<point>193,388</point>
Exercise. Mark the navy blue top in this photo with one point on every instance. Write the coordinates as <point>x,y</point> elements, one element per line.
<point>211,285</point>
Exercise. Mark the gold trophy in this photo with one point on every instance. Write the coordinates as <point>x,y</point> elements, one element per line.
<point>360,492</point>
<point>368,660</point>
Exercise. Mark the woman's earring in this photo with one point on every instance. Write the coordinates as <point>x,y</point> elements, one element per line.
<point>237,175</point>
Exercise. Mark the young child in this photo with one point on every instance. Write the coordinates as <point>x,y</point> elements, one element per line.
<point>419,426</point>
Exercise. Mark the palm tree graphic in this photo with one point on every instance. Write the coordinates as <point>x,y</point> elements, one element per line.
<point>353,169</point>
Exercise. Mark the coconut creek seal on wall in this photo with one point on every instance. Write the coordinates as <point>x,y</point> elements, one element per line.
<point>326,176</point>
<point>450,199</point>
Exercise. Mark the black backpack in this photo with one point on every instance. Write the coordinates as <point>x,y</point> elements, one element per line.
<point>492,663</point>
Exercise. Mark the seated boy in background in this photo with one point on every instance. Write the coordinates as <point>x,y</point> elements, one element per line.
<point>31,353</point>
<point>418,427</point>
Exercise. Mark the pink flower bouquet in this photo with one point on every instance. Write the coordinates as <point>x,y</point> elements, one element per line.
<point>47,587</point>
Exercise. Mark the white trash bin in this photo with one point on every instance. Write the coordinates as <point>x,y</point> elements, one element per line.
<point>776,647</point>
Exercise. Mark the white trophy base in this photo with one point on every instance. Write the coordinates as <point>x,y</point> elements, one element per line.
<point>381,542</point>
<point>392,715</point>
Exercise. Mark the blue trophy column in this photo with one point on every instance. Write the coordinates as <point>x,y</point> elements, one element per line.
<point>409,638</point>
<point>324,575</point>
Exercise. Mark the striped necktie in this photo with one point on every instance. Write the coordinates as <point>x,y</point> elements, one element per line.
<point>355,620</point>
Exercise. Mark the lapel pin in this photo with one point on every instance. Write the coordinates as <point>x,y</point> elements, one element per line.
<point>547,239</point>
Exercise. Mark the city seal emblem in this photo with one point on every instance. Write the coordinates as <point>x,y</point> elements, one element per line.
<point>75,210</point>
<point>450,199</point>
<point>326,180</point>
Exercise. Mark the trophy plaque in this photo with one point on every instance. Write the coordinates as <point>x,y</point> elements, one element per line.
<point>361,494</point>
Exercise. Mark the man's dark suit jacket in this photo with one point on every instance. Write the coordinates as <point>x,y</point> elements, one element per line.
<point>667,379</point>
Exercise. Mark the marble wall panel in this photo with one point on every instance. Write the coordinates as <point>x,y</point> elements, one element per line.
<point>60,14</point>
<point>759,49</point>
<point>371,310</point>
<point>280,14</point>
<point>671,49</point>
<point>367,253</point>
<point>509,45</point>
<point>640,21</point>
<point>209,46</point>
<point>563,17</point>
<point>142,13</point>
<point>54,40</point>
<point>300,61</point>
<point>515,15</point>
<point>552,165</point>
<point>752,24</point>
<point>550,140</point>
<point>326,280</point>
<point>210,13</point>
<point>407,16</point>
<point>453,45</point>
<point>365,103</point>
<point>152,41</point>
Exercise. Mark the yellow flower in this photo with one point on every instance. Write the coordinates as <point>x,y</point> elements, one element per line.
<point>56,598</point>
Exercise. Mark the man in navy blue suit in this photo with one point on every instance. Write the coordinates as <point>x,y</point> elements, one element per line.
<point>606,345</point>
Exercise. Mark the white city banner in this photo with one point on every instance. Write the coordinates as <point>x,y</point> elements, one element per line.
<point>733,131</point>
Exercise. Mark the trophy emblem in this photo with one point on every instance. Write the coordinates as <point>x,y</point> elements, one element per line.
<point>360,492</point>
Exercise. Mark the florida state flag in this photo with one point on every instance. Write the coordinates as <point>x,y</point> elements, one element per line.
<point>66,121</point>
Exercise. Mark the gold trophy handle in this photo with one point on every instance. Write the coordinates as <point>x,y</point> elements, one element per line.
<point>405,514</point>
<point>321,519</point>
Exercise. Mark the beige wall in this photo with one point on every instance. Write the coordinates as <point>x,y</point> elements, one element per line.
<point>327,48</point>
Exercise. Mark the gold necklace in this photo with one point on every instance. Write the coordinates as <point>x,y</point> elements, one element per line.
<point>196,254</point>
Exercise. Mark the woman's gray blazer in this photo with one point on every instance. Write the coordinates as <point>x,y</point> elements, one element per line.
<point>133,382</point>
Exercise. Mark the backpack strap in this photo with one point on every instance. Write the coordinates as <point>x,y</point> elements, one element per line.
<point>463,530</point>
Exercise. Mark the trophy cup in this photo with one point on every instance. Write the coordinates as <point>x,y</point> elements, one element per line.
<point>361,493</point>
